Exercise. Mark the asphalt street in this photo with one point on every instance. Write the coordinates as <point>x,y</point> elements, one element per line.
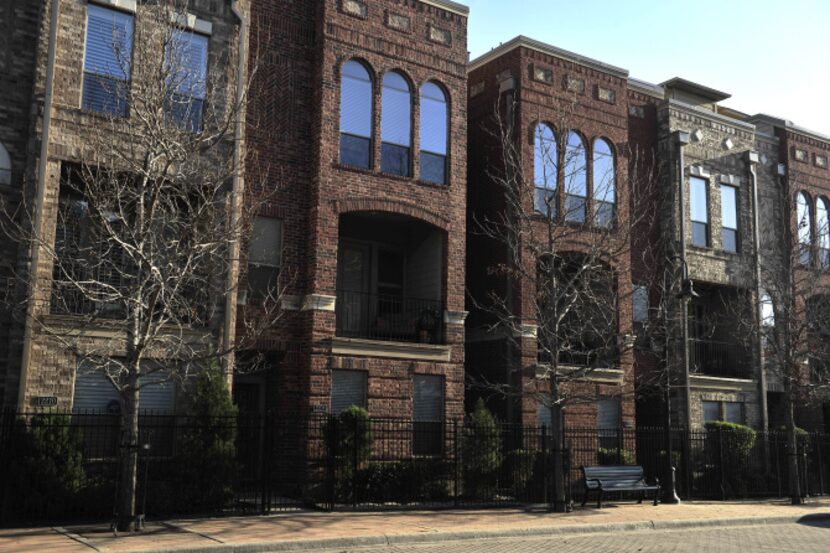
<point>811,537</point>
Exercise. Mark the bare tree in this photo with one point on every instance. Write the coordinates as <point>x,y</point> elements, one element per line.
<point>150,223</point>
<point>793,320</point>
<point>571,249</point>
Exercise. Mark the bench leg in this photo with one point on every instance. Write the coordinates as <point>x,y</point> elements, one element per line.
<point>599,499</point>
<point>656,495</point>
<point>640,498</point>
<point>585,497</point>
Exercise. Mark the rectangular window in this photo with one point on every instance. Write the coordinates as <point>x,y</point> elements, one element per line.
<point>734,412</point>
<point>699,210</point>
<point>729,217</point>
<point>639,302</point>
<point>264,257</point>
<point>608,422</point>
<point>428,415</point>
<point>186,60</point>
<point>107,61</point>
<point>348,388</point>
<point>711,411</point>
<point>543,416</point>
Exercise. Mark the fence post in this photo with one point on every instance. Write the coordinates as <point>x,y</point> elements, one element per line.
<point>544,464</point>
<point>818,445</point>
<point>722,469</point>
<point>619,444</point>
<point>355,424</point>
<point>455,471</point>
<point>778,463</point>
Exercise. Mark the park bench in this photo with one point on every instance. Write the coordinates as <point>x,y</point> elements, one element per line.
<point>617,478</point>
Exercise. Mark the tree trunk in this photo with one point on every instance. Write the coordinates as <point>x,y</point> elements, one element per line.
<point>792,455</point>
<point>557,446</point>
<point>129,458</point>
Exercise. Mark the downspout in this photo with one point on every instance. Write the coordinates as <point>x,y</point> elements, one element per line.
<point>238,189</point>
<point>682,139</point>
<point>752,160</point>
<point>40,197</point>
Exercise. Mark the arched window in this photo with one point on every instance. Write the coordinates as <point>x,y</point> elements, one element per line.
<point>823,232</point>
<point>545,161</point>
<point>433,129</point>
<point>805,225</point>
<point>767,311</point>
<point>356,115</point>
<point>5,166</point>
<point>605,184</point>
<point>576,179</point>
<point>395,125</point>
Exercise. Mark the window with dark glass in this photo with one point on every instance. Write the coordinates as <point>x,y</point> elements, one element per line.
<point>395,125</point>
<point>805,228</point>
<point>699,208</point>
<point>434,132</point>
<point>733,412</point>
<point>186,59</point>
<point>348,388</point>
<point>608,422</point>
<point>428,414</point>
<point>545,175</point>
<point>575,176</point>
<point>109,43</point>
<point>264,256</point>
<point>356,115</point>
<point>5,166</point>
<point>823,232</point>
<point>711,411</point>
<point>729,217</point>
<point>604,182</point>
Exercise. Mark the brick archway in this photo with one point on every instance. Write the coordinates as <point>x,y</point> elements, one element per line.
<point>391,206</point>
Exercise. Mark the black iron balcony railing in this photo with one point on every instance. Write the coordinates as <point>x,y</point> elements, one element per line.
<point>389,317</point>
<point>582,356</point>
<point>726,359</point>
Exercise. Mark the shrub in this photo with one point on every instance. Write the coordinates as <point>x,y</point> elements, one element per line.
<point>206,464</point>
<point>403,481</point>
<point>609,456</point>
<point>349,436</point>
<point>47,466</point>
<point>730,447</point>
<point>481,453</point>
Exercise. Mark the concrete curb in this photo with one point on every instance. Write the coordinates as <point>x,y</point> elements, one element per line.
<point>426,537</point>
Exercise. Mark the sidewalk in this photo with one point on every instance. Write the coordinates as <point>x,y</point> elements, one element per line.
<point>311,530</point>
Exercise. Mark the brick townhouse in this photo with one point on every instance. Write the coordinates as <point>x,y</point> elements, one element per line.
<point>54,102</point>
<point>575,108</point>
<point>358,123</point>
<point>674,138</point>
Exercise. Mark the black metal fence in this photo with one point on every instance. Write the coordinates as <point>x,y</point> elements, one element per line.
<point>725,359</point>
<point>56,468</point>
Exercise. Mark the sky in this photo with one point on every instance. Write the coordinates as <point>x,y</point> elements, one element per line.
<point>772,57</point>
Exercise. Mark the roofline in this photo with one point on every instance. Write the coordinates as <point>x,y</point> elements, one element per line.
<point>450,6</point>
<point>696,88</point>
<point>789,125</point>
<point>679,104</point>
<point>532,44</point>
<point>647,88</point>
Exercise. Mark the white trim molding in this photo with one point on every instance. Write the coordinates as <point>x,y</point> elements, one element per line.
<point>455,317</point>
<point>124,5</point>
<point>526,331</point>
<point>318,302</point>
<point>290,302</point>
<point>192,23</point>
<point>359,347</point>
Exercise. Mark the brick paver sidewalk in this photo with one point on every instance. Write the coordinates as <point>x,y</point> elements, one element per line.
<point>314,530</point>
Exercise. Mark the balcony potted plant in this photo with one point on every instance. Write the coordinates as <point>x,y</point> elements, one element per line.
<point>426,324</point>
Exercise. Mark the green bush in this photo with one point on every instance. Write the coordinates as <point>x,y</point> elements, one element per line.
<point>481,453</point>
<point>608,456</point>
<point>47,465</point>
<point>205,467</point>
<point>411,480</point>
<point>731,444</point>
<point>349,437</point>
